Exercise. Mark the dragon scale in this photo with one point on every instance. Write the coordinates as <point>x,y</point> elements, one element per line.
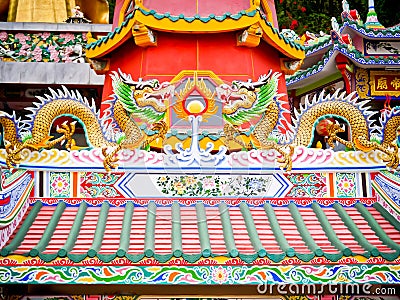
<point>9,129</point>
<point>267,123</point>
<point>355,118</point>
<point>390,130</point>
<point>50,111</point>
<point>134,135</point>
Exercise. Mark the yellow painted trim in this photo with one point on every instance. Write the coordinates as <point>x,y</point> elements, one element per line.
<point>197,73</point>
<point>273,39</point>
<point>197,26</point>
<point>122,11</point>
<point>268,11</point>
<point>374,91</point>
<point>177,78</point>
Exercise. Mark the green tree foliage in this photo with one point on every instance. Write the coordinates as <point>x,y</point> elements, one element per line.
<point>111,7</point>
<point>315,15</point>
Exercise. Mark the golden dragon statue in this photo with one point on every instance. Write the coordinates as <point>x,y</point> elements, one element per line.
<point>259,101</point>
<point>132,102</point>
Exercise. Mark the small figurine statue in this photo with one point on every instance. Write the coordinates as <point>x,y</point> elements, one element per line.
<point>335,24</point>
<point>77,16</point>
<point>345,5</point>
<point>76,12</point>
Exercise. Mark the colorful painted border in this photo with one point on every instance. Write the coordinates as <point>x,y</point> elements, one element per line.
<point>219,274</point>
<point>213,201</point>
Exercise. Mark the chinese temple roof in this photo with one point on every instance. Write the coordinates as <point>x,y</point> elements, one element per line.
<point>328,229</point>
<point>183,23</point>
<point>350,26</point>
<point>322,51</point>
<point>346,40</point>
<point>327,66</point>
<point>236,240</point>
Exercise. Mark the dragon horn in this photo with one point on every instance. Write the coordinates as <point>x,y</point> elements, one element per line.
<point>263,79</point>
<point>127,79</point>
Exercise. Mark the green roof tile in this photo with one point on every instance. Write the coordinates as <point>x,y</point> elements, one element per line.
<point>100,228</point>
<point>204,237</point>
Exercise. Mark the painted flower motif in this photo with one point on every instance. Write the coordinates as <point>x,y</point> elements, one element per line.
<point>68,37</point>
<point>24,47</point>
<point>22,37</point>
<point>190,180</point>
<point>346,185</point>
<point>208,183</point>
<point>192,185</point>
<point>68,50</point>
<point>3,36</point>
<point>59,184</point>
<point>45,35</point>
<point>178,185</point>
<point>225,188</point>
<point>220,275</point>
<point>255,184</point>
<point>37,54</point>
<point>53,53</point>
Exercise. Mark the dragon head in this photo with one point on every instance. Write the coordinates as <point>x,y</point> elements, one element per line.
<point>148,92</point>
<point>240,94</point>
<point>234,98</point>
<point>155,96</point>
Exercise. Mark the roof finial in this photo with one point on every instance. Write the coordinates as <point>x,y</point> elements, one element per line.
<point>372,18</point>
<point>345,6</point>
<point>371,4</point>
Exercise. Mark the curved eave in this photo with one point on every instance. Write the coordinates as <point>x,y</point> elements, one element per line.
<point>325,68</point>
<point>308,76</point>
<point>322,46</point>
<point>387,33</point>
<point>278,41</point>
<point>197,24</point>
<point>110,42</point>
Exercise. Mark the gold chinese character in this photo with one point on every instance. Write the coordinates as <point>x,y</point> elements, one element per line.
<point>395,83</point>
<point>382,83</point>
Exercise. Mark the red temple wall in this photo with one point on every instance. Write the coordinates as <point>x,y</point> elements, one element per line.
<point>176,52</point>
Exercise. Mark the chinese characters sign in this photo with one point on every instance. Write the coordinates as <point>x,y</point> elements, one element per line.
<point>383,83</point>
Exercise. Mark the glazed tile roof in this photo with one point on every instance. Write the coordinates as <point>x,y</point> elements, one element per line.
<point>326,42</point>
<point>391,32</point>
<point>199,231</point>
<point>353,54</point>
<point>330,48</point>
<point>129,20</point>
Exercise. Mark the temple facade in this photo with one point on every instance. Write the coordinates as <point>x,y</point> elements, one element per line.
<point>193,150</point>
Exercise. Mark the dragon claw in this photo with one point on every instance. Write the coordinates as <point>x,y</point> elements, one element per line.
<point>110,159</point>
<point>392,159</point>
